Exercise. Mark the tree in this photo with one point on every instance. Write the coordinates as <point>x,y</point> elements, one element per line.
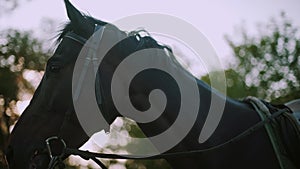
<point>235,85</point>
<point>19,52</point>
<point>266,64</point>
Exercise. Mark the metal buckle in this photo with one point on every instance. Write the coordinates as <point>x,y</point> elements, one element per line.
<point>50,142</point>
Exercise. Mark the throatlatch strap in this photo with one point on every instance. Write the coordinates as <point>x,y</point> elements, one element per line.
<point>264,113</point>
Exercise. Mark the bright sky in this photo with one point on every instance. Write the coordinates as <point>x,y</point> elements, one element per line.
<point>214,19</point>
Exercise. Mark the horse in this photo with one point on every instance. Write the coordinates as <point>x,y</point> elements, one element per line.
<point>51,112</point>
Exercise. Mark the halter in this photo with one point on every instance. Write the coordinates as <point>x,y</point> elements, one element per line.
<point>75,37</point>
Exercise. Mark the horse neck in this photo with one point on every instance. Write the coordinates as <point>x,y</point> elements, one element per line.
<point>235,113</point>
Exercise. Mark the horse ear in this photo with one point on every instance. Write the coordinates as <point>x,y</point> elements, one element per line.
<point>77,19</point>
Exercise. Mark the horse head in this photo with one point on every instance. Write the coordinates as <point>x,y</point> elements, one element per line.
<point>45,115</point>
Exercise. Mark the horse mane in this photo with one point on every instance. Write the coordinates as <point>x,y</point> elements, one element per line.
<point>145,37</point>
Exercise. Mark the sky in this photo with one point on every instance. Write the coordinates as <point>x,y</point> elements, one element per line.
<point>213,18</point>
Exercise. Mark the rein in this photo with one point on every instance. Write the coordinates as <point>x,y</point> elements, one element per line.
<point>57,158</point>
<point>93,156</point>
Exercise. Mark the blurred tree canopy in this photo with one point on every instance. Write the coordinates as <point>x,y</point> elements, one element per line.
<point>19,51</point>
<point>268,64</point>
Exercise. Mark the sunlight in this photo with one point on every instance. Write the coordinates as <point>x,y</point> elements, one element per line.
<point>100,139</point>
<point>117,166</point>
<point>21,106</point>
<point>95,144</point>
<point>33,77</point>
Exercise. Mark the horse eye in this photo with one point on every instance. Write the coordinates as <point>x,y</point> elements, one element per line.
<point>54,68</point>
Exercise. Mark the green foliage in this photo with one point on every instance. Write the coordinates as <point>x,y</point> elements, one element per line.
<point>235,85</point>
<point>8,85</point>
<point>19,51</point>
<point>267,64</point>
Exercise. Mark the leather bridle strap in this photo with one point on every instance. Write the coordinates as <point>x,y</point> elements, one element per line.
<point>75,37</point>
<point>91,57</point>
<point>91,155</point>
<point>264,112</point>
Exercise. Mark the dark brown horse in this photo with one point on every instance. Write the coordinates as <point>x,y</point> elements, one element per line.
<point>51,111</point>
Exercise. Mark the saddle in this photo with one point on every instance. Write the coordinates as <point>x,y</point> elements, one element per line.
<point>284,130</point>
<point>294,106</point>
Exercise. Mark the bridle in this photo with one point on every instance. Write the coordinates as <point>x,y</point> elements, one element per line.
<point>56,158</point>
